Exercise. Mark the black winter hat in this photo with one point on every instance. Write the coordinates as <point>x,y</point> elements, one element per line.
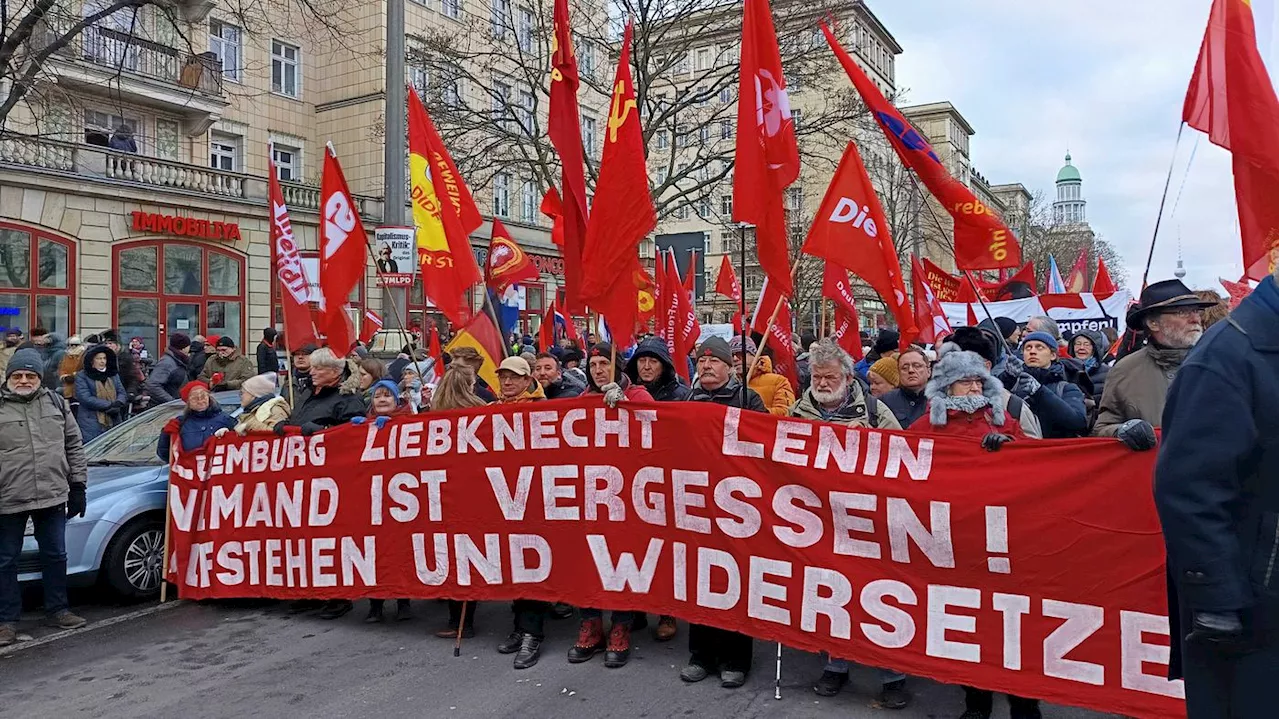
<point>1004,325</point>
<point>716,347</point>
<point>977,341</point>
<point>886,341</point>
<point>226,341</point>
<point>177,341</point>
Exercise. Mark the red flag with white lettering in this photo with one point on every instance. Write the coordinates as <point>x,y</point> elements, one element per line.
<point>343,252</point>
<point>835,286</point>
<point>931,320</point>
<point>686,331</point>
<point>290,275</point>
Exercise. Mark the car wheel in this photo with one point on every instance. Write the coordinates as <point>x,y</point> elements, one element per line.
<point>134,562</point>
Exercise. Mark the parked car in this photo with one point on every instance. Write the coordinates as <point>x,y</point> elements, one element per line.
<point>119,542</point>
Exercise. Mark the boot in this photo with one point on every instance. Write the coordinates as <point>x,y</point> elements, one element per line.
<point>375,612</point>
<point>830,683</point>
<point>298,606</point>
<point>336,608</point>
<point>560,610</point>
<point>894,695</point>
<point>403,612</point>
<point>530,650</point>
<point>619,649</point>
<point>65,620</point>
<point>590,641</point>
<point>8,635</point>
<point>666,629</point>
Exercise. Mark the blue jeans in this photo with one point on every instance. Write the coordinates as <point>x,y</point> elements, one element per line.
<point>51,536</point>
<point>841,666</point>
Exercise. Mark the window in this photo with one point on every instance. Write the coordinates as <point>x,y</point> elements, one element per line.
<point>524,36</point>
<point>99,126</point>
<point>682,135</point>
<point>726,95</point>
<point>726,205</point>
<point>502,194</point>
<point>704,172</point>
<point>586,55</point>
<point>525,110</point>
<point>162,288</point>
<point>589,135</point>
<point>796,117</point>
<point>726,129</point>
<point>704,58</point>
<point>288,162</point>
<point>682,212</point>
<point>224,152</point>
<point>224,41</point>
<point>451,93</point>
<point>704,134</point>
<point>662,175</point>
<point>529,202</point>
<point>795,199</point>
<point>420,80</point>
<point>498,108</point>
<point>451,8</point>
<point>285,78</point>
<point>35,276</point>
<point>499,14</point>
<point>704,207</point>
<point>682,64</point>
<point>702,95</point>
<point>663,141</point>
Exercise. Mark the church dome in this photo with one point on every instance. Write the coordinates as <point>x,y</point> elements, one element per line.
<point>1068,173</point>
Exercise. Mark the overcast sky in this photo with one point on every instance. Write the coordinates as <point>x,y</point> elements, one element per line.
<point>1102,78</point>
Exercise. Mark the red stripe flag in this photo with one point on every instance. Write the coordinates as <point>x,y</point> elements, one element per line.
<point>370,326</point>
<point>850,230</point>
<point>290,274</point>
<point>665,322</point>
<point>507,264</point>
<point>727,286</point>
<point>612,277</point>
<point>766,159</point>
<point>930,319</point>
<point>343,253</point>
<point>982,240</point>
<point>564,128</point>
<point>1231,99</point>
<point>1078,277</point>
<point>835,286</point>
<point>1102,284</point>
<point>433,351</point>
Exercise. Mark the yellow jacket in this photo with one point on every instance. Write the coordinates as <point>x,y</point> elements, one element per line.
<point>773,388</point>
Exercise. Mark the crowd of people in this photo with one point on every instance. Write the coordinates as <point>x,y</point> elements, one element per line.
<point>994,383</point>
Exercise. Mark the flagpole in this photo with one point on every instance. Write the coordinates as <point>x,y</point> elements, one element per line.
<point>764,340</point>
<point>1151,253</point>
<point>742,300</point>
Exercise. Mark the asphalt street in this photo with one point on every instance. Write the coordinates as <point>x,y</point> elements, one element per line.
<point>220,660</point>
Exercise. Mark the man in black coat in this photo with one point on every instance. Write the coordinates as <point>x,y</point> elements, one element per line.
<point>268,357</point>
<point>170,372</point>
<point>333,400</point>
<point>908,402</point>
<point>651,366</point>
<point>1216,491</point>
<point>555,383</point>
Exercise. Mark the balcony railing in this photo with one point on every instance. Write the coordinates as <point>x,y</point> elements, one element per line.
<point>101,163</point>
<point>124,52</point>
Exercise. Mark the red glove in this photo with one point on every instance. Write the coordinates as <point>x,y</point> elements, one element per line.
<point>216,379</point>
<point>172,426</point>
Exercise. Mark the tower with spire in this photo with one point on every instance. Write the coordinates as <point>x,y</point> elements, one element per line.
<point>1069,207</point>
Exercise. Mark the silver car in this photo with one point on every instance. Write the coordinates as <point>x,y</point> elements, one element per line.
<point>119,542</point>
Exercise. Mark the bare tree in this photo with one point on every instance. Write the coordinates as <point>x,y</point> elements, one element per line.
<point>1040,238</point>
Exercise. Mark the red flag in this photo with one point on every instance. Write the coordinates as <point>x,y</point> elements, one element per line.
<point>835,286</point>
<point>667,309</point>
<point>343,253</point>
<point>945,286</point>
<point>1078,277</point>
<point>850,230</point>
<point>847,334</point>
<point>433,351</point>
<point>564,128</point>
<point>1236,291</point>
<point>769,298</point>
<point>547,330</point>
<point>1102,284</point>
<point>766,159</point>
<point>290,274</point>
<point>507,264</point>
<point>982,240</point>
<point>550,208</point>
<point>612,277</point>
<point>684,335</point>
<point>930,319</point>
<point>1010,288</point>
<point>691,291</point>
<point>370,326</point>
<point>727,286</point>
<point>1231,99</point>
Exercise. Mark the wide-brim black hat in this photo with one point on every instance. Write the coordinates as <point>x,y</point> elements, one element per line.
<point>1160,296</point>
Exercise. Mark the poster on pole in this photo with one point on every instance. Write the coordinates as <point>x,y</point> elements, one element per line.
<point>393,249</point>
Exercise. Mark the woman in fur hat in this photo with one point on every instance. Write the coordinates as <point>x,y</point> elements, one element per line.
<point>966,401</point>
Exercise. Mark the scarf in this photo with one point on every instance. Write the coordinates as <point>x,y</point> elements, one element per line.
<point>105,391</point>
<point>1167,358</point>
<point>968,403</point>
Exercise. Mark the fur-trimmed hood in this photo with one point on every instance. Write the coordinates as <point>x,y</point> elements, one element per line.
<point>953,367</point>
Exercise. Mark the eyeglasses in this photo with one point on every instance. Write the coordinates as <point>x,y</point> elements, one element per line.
<point>1183,311</point>
<point>969,382</point>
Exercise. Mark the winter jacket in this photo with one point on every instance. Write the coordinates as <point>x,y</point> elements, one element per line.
<point>565,387</point>
<point>855,411</point>
<point>72,363</point>
<point>668,387</point>
<point>5,354</point>
<point>53,354</point>
<point>41,454</point>
<point>1136,388</point>
<point>907,406</point>
<point>533,394</point>
<point>803,372</point>
<point>130,375</point>
<point>1058,404</point>
<point>86,393</point>
<point>262,415</point>
<point>199,353</point>
<point>1097,366</point>
<point>774,389</point>
<point>328,406</point>
<point>1216,479</point>
<point>729,395</point>
<point>195,428</point>
<point>167,377</point>
<point>235,370</point>
<point>268,359</point>
<point>301,389</point>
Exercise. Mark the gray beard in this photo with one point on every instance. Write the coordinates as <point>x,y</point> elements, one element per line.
<point>835,396</point>
<point>968,403</point>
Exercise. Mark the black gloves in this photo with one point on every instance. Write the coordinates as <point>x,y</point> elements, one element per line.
<point>76,501</point>
<point>279,429</point>
<point>1137,434</point>
<point>993,441</point>
<point>1215,628</point>
<point>310,428</point>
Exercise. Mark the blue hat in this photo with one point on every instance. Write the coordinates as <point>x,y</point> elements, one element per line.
<point>1043,337</point>
<point>389,386</point>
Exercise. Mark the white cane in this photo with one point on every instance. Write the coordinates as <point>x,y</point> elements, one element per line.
<point>777,674</point>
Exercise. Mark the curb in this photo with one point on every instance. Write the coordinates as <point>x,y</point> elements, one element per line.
<point>111,621</point>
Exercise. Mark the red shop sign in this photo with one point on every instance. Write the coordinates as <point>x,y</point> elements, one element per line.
<point>155,223</point>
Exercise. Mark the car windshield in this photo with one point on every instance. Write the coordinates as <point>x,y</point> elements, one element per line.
<point>134,442</point>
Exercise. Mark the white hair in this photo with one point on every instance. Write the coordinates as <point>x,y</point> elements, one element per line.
<point>826,351</point>
<point>1045,323</point>
<point>324,357</point>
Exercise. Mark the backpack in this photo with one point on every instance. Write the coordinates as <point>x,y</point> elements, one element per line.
<point>1015,407</point>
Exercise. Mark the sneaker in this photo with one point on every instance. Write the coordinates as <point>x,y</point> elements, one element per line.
<point>403,612</point>
<point>65,620</point>
<point>830,683</point>
<point>469,632</point>
<point>666,629</point>
<point>619,649</point>
<point>8,635</point>
<point>375,615</point>
<point>693,673</point>
<point>894,695</point>
<point>560,610</point>
<point>510,645</point>
<point>336,608</point>
<point>590,641</point>
<point>530,649</point>
<point>732,680</point>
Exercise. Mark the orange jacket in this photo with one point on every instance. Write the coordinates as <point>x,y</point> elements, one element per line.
<point>773,388</point>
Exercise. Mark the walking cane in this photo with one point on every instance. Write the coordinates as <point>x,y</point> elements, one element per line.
<point>462,622</point>
<point>777,674</point>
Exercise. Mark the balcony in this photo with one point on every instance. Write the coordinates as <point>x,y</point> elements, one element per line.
<point>140,71</point>
<point>92,162</point>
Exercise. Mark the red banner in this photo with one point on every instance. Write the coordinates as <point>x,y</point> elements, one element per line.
<point>945,286</point>
<point>922,554</point>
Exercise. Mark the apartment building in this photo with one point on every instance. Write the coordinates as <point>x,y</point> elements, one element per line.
<point>133,175</point>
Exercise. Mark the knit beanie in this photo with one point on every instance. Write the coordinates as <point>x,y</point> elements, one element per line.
<point>887,368</point>
<point>389,386</point>
<point>260,385</point>
<point>188,388</point>
<point>716,347</point>
<point>886,341</point>
<point>1043,337</point>
<point>28,359</point>
<point>735,345</point>
<point>178,341</point>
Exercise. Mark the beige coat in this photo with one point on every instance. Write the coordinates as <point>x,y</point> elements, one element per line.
<point>265,417</point>
<point>1136,389</point>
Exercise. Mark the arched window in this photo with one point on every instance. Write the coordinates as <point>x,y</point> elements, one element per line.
<point>37,274</point>
<point>163,288</point>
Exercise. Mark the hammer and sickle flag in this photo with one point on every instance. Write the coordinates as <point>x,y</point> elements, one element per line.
<point>623,214</point>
